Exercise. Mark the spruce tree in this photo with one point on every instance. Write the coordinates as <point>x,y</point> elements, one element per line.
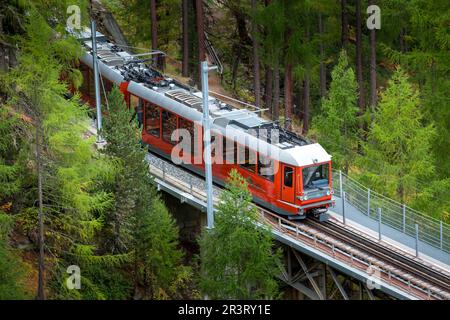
<point>237,258</point>
<point>139,224</point>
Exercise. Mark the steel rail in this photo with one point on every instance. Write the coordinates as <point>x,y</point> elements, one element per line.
<point>428,273</point>
<point>354,249</point>
<point>355,255</point>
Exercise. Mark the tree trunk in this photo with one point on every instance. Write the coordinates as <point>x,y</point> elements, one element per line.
<point>306,103</point>
<point>323,70</point>
<point>234,68</point>
<point>276,91</point>
<point>185,66</point>
<point>3,66</point>
<point>256,72</point>
<point>344,24</point>
<point>359,65</point>
<point>201,37</point>
<point>300,100</point>
<point>288,82</point>
<point>268,91</point>
<point>41,291</point>
<point>154,29</point>
<point>402,41</point>
<point>373,66</point>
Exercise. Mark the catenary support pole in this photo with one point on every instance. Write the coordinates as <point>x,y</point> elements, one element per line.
<point>417,240</point>
<point>207,142</point>
<point>343,207</point>
<point>404,217</point>
<point>96,81</point>
<point>379,224</point>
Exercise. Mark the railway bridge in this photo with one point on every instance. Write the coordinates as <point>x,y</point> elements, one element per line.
<point>371,246</point>
<point>337,259</point>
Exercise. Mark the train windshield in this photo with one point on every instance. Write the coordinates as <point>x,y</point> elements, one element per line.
<point>316,176</point>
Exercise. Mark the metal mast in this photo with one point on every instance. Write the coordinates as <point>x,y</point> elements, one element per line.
<point>207,142</point>
<point>96,80</point>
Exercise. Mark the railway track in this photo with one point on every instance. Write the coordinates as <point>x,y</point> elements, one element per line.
<point>351,246</point>
<point>430,274</point>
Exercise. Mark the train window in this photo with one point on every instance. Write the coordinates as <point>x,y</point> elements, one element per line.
<point>249,161</point>
<point>189,126</point>
<point>266,167</point>
<point>288,175</point>
<point>152,117</point>
<point>213,150</point>
<point>169,125</point>
<point>315,176</point>
<point>229,151</point>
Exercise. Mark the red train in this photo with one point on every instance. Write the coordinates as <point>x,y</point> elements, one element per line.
<point>286,173</point>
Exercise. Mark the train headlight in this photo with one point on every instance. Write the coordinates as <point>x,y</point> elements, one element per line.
<point>305,197</point>
<point>328,192</point>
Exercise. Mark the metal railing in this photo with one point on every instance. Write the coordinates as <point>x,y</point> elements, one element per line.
<point>393,214</point>
<point>380,271</point>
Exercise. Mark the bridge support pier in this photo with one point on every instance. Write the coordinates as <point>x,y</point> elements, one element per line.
<point>318,281</point>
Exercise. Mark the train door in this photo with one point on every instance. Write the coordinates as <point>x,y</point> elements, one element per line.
<point>287,184</point>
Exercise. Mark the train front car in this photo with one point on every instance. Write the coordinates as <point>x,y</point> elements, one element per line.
<point>287,173</point>
<point>307,181</point>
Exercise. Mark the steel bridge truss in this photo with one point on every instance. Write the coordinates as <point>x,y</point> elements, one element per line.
<point>317,280</point>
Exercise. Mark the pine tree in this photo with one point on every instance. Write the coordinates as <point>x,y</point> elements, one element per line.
<point>397,152</point>
<point>237,261</point>
<point>336,127</point>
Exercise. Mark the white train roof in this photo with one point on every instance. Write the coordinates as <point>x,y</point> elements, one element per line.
<point>241,125</point>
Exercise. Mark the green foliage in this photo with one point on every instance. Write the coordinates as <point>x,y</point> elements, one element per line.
<point>336,128</point>
<point>135,18</point>
<point>237,261</point>
<point>11,267</point>
<point>10,144</point>
<point>139,223</point>
<point>397,153</point>
<point>429,62</point>
<point>70,163</point>
<point>158,260</point>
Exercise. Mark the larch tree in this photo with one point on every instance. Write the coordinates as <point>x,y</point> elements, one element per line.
<point>337,125</point>
<point>154,32</point>
<point>344,24</point>
<point>359,59</point>
<point>12,270</point>
<point>68,164</point>
<point>272,20</point>
<point>256,69</point>
<point>373,65</point>
<point>236,256</point>
<point>200,19</point>
<point>13,134</point>
<point>397,152</point>
<point>185,28</point>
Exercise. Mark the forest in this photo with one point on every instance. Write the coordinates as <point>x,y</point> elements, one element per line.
<point>372,90</point>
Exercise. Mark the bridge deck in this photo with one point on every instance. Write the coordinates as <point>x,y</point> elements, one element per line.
<point>190,188</point>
